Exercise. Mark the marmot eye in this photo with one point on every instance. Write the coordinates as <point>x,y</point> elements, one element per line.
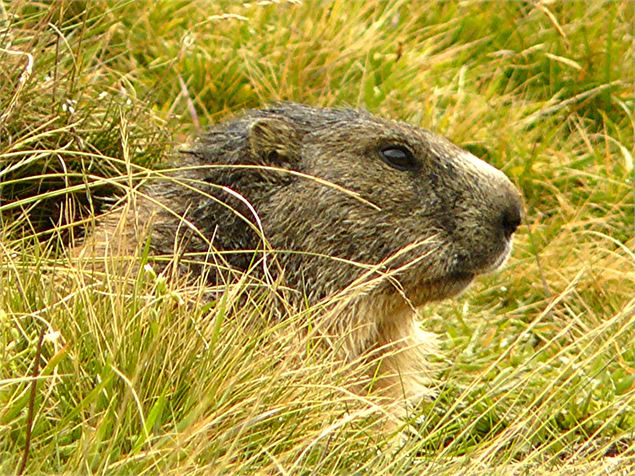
<point>398,157</point>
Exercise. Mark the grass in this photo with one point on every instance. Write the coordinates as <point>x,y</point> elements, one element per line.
<point>141,374</point>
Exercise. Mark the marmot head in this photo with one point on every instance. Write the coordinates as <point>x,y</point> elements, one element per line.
<point>383,192</point>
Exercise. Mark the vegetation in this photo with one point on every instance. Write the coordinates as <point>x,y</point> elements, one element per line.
<point>138,373</point>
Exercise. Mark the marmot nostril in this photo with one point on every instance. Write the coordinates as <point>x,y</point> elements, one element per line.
<point>511,219</point>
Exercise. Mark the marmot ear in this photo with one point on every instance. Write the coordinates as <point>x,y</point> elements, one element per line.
<point>274,140</point>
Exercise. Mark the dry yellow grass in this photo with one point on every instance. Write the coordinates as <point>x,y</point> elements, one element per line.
<point>142,374</point>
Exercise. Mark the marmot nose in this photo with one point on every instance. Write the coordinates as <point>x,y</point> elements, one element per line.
<point>511,217</point>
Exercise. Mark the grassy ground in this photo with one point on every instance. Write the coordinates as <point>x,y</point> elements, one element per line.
<point>139,374</point>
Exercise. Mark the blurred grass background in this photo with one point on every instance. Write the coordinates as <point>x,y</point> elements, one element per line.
<point>139,374</point>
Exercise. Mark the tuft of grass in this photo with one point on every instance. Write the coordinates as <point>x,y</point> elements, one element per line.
<point>145,373</point>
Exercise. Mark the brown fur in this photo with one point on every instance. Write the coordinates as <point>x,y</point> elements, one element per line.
<point>311,185</point>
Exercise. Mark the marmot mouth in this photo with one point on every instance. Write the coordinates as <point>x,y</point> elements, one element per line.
<point>499,261</point>
<point>454,282</point>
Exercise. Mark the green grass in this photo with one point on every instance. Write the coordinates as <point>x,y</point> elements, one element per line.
<point>142,374</point>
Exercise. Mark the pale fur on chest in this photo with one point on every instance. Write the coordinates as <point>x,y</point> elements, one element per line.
<point>383,329</point>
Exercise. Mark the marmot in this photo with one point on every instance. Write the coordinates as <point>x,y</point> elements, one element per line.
<point>339,196</point>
